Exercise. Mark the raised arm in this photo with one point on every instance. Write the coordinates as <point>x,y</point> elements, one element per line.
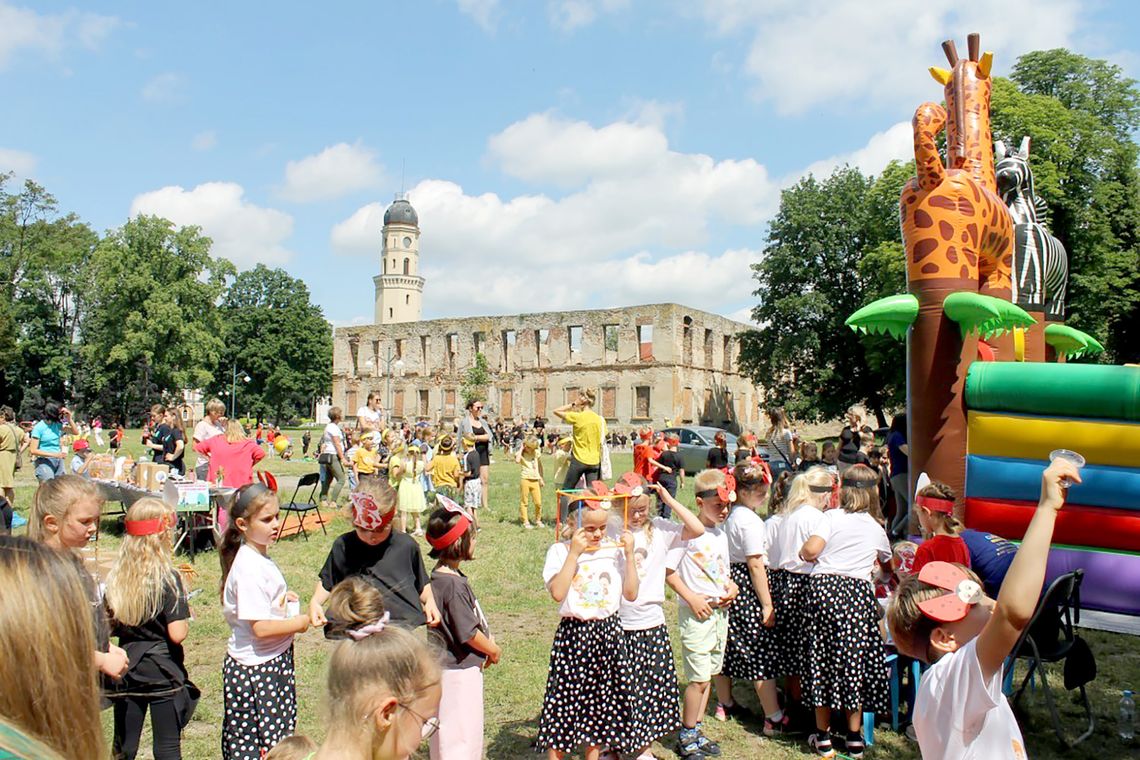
<point>693,526</point>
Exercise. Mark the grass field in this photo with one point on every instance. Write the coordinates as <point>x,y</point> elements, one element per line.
<point>507,578</point>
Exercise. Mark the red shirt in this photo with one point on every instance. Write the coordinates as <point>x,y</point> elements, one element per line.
<point>941,549</point>
<point>641,461</point>
<point>236,459</point>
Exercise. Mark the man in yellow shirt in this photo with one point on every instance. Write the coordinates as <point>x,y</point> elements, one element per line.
<point>586,438</point>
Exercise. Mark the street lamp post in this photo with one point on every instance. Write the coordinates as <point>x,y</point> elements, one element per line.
<point>233,390</point>
<point>390,363</point>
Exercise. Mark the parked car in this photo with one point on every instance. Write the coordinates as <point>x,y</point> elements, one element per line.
<point>696,440</point>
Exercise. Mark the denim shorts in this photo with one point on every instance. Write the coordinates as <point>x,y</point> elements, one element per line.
<point>46,468</point>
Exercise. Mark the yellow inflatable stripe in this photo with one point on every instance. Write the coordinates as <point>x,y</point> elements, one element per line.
<point>1025,437</point>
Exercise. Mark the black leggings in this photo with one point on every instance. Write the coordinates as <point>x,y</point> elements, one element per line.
<point>130,713</point>
<point>591,472</point>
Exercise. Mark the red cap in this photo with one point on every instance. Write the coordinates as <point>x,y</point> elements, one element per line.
<point>80,445</point>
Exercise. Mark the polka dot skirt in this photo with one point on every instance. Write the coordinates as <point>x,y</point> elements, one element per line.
<point>846,658</point>
<point>791,625</point>
<point>586,701</point>
<point>652,681</point>
<point>260,706</point>
<point>750,653</point>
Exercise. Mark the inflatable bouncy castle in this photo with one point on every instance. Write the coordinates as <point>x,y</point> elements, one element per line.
<point>989,392</point>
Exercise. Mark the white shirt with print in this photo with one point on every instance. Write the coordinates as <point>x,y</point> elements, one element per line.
<point>595,591</point>
<point>703,564</point>
<point>651,555</point>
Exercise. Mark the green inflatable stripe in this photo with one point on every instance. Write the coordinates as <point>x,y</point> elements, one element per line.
<point>1056,390</point>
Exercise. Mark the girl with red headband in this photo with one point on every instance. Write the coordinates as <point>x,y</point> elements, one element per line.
<point>463,634</point>
<point>935,503</point>
<point>149,613</point>
<point>587,701</point>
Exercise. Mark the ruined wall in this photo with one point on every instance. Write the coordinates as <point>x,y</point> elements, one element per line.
<point>659,364</point>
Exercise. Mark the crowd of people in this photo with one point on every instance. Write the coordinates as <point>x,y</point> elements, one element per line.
<point>785,565</point>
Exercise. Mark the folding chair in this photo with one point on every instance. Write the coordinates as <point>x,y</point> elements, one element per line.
<point>1050,637</point>
<point>303,508</point>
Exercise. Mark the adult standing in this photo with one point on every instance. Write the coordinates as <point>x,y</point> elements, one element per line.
<point>475,425</point>
<point>717,458</point>
<point>851,441</point>
<point>174,444</point>
<point>332,458</point>
<point>208,427</point>
<point>782,456</point>
<point>585,438</point>
<point>370,417</point>
<point>47,440</point>
<point>233,454</point>
<point>899,454</point>
<point>12,442</point>
<point>155,437</point>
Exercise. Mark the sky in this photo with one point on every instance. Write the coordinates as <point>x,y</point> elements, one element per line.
<point>561,154</point>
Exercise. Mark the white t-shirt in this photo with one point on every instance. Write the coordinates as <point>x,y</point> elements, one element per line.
<point>960,716</point>
<point>773,525</point>
<point>651,555</point>
<point>255,590</point>
<point>854,542</point>
<point>369,415</point>
<point>204,431</point>
<point>332,430</point>
<point>595,591</point>
<point>702,563</point>
<point>747,536</point>
<point>796,528</point>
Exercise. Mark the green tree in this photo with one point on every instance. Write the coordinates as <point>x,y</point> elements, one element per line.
<point>274,333</point>
<point>153,327</point>
<point>833,246</point>
<point>476,380</point>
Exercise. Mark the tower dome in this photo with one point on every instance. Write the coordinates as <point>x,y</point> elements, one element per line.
<point>401,212</point>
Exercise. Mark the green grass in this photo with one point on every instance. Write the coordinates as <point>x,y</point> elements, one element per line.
<point>507,578</point>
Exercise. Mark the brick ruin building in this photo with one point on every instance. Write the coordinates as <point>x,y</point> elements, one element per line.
<point>659,364</point>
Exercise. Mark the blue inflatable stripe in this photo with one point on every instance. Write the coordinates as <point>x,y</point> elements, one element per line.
<point>1020,479</point>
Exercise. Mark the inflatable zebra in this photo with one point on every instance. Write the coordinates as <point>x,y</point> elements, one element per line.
<point>1040,263</point>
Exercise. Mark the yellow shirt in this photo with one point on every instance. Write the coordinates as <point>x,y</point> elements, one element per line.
<point>365,460</point>
<point>444,470</point>
<point>586,440</point>
<point>530,467</point>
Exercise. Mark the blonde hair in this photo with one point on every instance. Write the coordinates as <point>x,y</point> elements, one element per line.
<point>708,479</point>
<point>800,492</point>
<point>295,747</point>
<point>48,687</point>
<point>381,491</point>
<point>56,497</point>
<point>392,662</point>
<point>588,395</point>
<point>143,571</point>
<point>909,627</point>
<point>352,603</point>
<point>940,521</point>
<point>234,431</point>
<point>215,405</point>
<point>855,499</point>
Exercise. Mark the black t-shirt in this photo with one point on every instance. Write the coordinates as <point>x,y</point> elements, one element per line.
<point>169,444</point>
<point>461,619</point>
<point>673,462</point>
<point>157,663</point>
<point>395,567</point>
<point>717,459</point>
<point>159,435</point>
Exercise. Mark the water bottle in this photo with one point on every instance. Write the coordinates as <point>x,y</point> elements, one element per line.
<point>1127,717</point>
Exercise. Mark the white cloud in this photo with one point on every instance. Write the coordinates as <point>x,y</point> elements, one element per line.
<point>482,11</point>
<point>50,34</point>
<point>896,142</point>
<point>569,15</point>
<point>204,141</point>
<point>168,87</point>
<point>19,162</point>
<point>334,172</point>
<point>242,232</point>
<point>809,52</point>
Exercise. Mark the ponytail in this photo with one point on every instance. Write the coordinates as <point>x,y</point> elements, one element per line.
<point>248,501</point>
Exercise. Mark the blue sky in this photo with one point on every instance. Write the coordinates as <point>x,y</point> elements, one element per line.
<point>561,154</point>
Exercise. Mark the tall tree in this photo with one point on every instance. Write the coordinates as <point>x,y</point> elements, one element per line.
<point>833,246</point>
<point>280,339</point>
<point>153,327</point>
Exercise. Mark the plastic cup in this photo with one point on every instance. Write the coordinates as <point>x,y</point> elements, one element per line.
<point>1069,456</point>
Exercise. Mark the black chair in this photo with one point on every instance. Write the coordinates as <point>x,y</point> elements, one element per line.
<point>302,508</point>
<point>1050,637</point>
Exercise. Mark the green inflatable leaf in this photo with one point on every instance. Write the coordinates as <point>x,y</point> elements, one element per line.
<point>1071,342</point>
<point>893,314</point>
<point>986,315</point>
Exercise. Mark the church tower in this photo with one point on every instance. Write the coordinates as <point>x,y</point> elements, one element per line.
<point>399,287</point>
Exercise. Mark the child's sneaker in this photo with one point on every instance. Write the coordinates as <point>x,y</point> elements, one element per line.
<point>821,743</point>
<point>855,746</point>
<point>781,726</point>
<point>540,525</point>
<point>528,526</point>
<point>688,745</point>
<point>707,745</point>
<point>735,710</point>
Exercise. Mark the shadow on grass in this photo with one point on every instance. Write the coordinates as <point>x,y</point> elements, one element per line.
<point>513,739</point>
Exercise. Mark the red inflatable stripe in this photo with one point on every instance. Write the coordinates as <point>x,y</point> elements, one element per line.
<point>1095,527</point>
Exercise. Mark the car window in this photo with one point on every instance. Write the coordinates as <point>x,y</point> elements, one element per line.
<point>691,438</point>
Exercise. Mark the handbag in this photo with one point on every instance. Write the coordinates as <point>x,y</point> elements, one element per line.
<point>326,458</point>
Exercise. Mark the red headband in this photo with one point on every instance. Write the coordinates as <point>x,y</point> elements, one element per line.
<point>962,592</point>
<point>456,532</point>
<point>148,527</point>
<point>934,504</point>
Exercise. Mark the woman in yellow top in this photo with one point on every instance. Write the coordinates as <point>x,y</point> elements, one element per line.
<point>586,439</point>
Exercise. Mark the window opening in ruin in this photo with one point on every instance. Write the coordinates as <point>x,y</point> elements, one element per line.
<point>687,341</point>
<point>575,334</point>
<point>707,408</point>
<point>641,402</point>
<point>571,394</point>
<point>687,405</point>
<point>425,351</point>
<point>350,400</point>
<point>423,403</point>
<point>507,403</point>
<point>510,337</point>
<point>610,342</point>
<point>609,402</point>
<point>449,402</point>
<point>539,402</point>
<point>645,342</point>
<point>727,353</point>
<point>452,350</point>
<point>541,344</point>
<point>398,403</point>
<point>399,348</point>
<point>478,339</point>
<point>708,348</point>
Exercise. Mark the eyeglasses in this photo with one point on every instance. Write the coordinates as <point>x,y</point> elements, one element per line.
<point>428,726</point>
